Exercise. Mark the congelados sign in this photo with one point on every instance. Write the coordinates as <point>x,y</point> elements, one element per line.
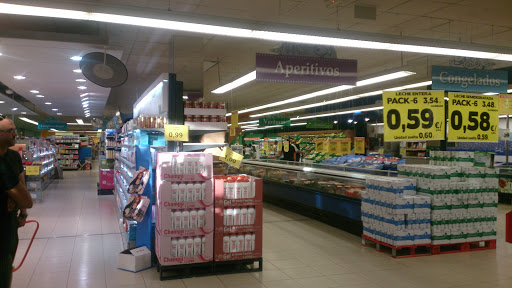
<point>471,80</point>
<point>296,69</point>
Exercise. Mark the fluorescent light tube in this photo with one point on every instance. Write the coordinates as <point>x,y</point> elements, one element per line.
<point>238,82</point>
<point>34,91</point>
<point>80,121</point>
<point>19,77</point>
<point>82,87</point>
<point>339,113</point>
<point>76,58</point>
<point>83,99</point>
<point>28,120</point>
<point>14,109</point>
<point>298,124</point>
<point>77,71</point>
<point>490,93</point>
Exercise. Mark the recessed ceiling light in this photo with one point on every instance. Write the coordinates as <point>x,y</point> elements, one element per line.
<point>34,91</point>
<point>82,87</point>
<point>23,113</point>
<point>48,103</point>
<point>85,102</point>
<point>14,109</point>
<point>83,99</point>
<point>1,102</point>
<point>59,113</point>
<point>185,97</point>
<point>0,54</point>
<point>76,58</point>
<point>19,77</point>
<point>55,109</point>
<point>39,96</point>
<point>86,105</point>
<point>85,94</point>
<point>77,71</point>
<point>80,80</point>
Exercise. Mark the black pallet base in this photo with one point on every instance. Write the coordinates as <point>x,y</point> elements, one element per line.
<point>185,271</point>
<point>505,198</point>
<point>239,266</point>
<point>105,192</point>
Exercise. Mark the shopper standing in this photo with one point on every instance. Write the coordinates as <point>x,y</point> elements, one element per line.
<point>293,153</point>
<point>13,197</point>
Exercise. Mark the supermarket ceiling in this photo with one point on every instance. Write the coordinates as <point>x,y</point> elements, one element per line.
<point>41,46</point>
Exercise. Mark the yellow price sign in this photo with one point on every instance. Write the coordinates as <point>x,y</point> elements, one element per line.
<point>380,151</point>
<point>266,147</point>
<point>319,146</point>
<point>32,170</point>
<point>286,147</point>
<point>232,158</point>
<point>234,119</point>
<point>505,107</point>
<point>232,131</point>
<point>343,146</point>
<point>326,146</point>
<point>333,146</point>
<point>473,118</point>
<point>359,145</point>
<point>279,146</point>
<point>414,115</point>
<point>176,132</point>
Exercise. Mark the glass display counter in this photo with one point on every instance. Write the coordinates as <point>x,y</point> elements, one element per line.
<point>328,193</point>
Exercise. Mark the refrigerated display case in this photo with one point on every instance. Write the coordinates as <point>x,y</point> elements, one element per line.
<point>328,193</point>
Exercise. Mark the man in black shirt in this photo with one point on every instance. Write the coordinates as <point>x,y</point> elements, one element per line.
<point>13,196</point>
<point>293,153</point>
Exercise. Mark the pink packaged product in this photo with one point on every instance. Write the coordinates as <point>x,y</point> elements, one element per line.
<point>238,246</point>
<point>184,222</point>
<point>185,195</point>
<point>183,250</point>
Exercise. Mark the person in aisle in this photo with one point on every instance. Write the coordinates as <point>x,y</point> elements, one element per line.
<point>13,197</point>
<point>293,153</point>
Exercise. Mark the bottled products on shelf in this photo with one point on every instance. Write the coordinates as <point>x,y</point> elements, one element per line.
<point>238,218</point>
<point>184,208</point>
<point>151,121</point>
<point>67,153</point>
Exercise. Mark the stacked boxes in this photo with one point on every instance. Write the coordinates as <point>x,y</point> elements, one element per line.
<point>238,218</point>
<point>184,210</point>
<point>392,212</point>
<point>464,200</point>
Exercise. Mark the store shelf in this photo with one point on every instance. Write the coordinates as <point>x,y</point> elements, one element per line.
<point>204,111</point>
<point>128,145</point>
<point>111,148</point>
<point>190,147</point>
<point>200,128</point>
<point>126,162</point>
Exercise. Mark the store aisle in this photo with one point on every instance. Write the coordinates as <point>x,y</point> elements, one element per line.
<point>79,240</point>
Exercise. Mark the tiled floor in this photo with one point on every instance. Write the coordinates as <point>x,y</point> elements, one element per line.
<point>79,239</point>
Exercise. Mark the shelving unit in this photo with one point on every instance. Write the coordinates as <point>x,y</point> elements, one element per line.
<point>68,145</point>
<point>106,172</point>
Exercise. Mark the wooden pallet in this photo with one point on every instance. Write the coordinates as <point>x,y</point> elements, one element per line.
<point>398,251</point>
<point>185,271</point>
<point>463,247</point>
<point>238,266</point>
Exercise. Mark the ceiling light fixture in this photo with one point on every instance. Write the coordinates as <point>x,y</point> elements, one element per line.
<point>1,54</point>
<point>28,120</point>
<point>83,99</point>
<point>236,83</point>
<point>48,103</point>
<point>77,71</point>
<point>84,94</point>
<point>335,121</point>
<point>86,105</point>
<point>85,102</point>
<point>59,113</point>
<point>23,113</point>
<point>490,93</point>
<point>82,87</point>
<point>1,102</point>
<point>34,91</point>
<point>76,58</point>
<point>39,96</point>
<point>298,124</point>
<point>80,80</point>
<point>55,109</point>
<point>361,83</point>
<point>366,119</point>
<point>14,109</point>
<point>185,97</point>
<point>80,121</point>
<point>342,112</point>
<point>244,33</point>
<point>509,91</point>
<point>19,77</point>
<point>54,130</point>
<point>350,121</point>
<point>340,100</point>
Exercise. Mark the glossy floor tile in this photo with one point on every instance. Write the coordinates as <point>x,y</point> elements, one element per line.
<point>79,239</point>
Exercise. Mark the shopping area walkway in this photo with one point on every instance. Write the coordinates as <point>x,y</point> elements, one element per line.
<point>78,243</point>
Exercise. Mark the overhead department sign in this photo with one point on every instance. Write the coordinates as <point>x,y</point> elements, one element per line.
<point>296,69</point>
<point>470,80</point>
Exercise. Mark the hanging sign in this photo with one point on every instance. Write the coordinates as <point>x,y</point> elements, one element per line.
<point>32,170</point>
<point>473,118</point>
<point>232,131</point>
<point>414,115</point>
<point>234,119</point>
<point>274,121</point>
<point>232,158</point>
<point>279,146</point>
<point>505,104</point>
<point>332,147</point>
<point>359,145</point>
<point>326,146</point>
<point>319,146</point>
<point>343,146</point>
<point>49,125</point>
<point>299,69</point>
<point>266,147</point>
<point>176,132</point>
<point>470,80</point>
<point>317,124</point>
<point>286,146</point>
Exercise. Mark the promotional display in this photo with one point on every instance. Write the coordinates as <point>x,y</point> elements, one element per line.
<point>414,115</point>
<point>505,104</point>
<point>238,218</point>
<point>359,145</point>
<point>184,216</point>
<point>473,118</point>
<point>231,158</point>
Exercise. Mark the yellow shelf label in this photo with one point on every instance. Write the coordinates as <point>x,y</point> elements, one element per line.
<point>176,132</point>
<point>32,170</point>
<point>232,158</point>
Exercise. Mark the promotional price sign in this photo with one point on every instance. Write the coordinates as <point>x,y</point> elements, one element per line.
<point>414,115</point>
<point>319,146</point>
<point>505,106</point>
<point>359,145</point>
<point>279,146</point>
<point>326,146</point>
<point>286,146</point>
<point>32,170</point>
<point>343,146</point>
<point>266,147</point>
<point>333,146</point>
<point>473,118</point>
<point>176,132</point>
<point>232,158</point>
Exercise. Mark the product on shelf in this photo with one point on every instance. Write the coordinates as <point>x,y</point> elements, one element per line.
<point>464,199</point>
<point>151,121</point>
<point>184,208</point>
<point>238,217</point>
<point>392,212</point>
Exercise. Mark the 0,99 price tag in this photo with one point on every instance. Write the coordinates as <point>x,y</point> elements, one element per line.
<point>473,118</point>
<point>176,132</point>
<point>232,158</point>
<point>32,170</point>
<point>413,115</point>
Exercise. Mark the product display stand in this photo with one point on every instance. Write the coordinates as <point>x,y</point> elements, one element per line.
<point>238,224</point>
<point>106,181</point>
<point>67,152</point>
<point>40,168</point>
<point>184,216</point>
